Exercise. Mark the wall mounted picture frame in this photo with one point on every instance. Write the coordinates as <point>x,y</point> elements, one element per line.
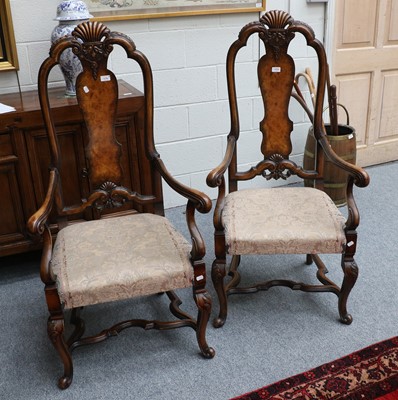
<point>110,10</point>
<point>8,49</point>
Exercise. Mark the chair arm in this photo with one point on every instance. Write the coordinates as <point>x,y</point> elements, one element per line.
<point>361,177</point>
<point>37,221</point>
<point>201,201</point>
<point>214,178</point>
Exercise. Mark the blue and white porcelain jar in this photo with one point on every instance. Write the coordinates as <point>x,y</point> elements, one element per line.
<point>70,13</point>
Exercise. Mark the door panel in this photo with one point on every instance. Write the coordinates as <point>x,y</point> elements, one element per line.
<point>354,89</point>
<point>364,69</point>
<point>389,114</point>
<point>358,24</point>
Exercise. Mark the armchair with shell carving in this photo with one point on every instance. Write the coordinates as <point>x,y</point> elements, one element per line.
<point>265,220</point>
<point>135,252</point>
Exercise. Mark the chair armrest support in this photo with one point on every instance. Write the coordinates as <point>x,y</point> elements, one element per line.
<point>201,201</point>
<point>361,177</point>
<point>196,201</point>
<point>215,176</point>
<point>36,223</point>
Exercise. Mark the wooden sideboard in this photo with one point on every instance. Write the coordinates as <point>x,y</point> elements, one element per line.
<point>25,156</point>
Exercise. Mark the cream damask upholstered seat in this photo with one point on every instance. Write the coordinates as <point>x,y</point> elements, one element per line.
<point>280,220</point>
<point>152,257</point>
<point>113,242</point>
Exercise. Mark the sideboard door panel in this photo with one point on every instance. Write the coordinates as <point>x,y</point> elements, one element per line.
<point>72,161</point>
<point>12,225</point>
<point>13,199</point>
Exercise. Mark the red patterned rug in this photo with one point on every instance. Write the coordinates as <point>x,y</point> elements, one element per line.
<point>368,374</point>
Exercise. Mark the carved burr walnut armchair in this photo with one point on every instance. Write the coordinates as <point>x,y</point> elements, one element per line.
<point>138,252</point>
<point>280,220</point>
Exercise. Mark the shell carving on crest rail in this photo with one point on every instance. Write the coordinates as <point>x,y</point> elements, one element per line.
<point>276,19</point>
<point>277,37</point>
<point>91,32</point>
<point>92,44</point>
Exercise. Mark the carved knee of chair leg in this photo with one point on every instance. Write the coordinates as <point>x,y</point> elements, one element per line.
<point>55,329</point>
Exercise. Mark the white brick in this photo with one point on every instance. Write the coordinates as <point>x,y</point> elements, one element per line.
<point>33,20</point>
<point>258,112</point>
<point>8,82</point>
<point>307,12</point>
<point>164,50</point>
<point>183,23</point>
<point>298,46</point>
<point>278,5</point>
<point>171,124</point>
<point>207,119</point>
<point>213,118</point>
<point>209,46</point>
<point>296,111</point>
<point>238,20</point>
<point>245,109</point>
<point>307,62</point>
<point>135,80</point>
<point>248,148</point>
<point>120,64</point>
<point>184,86</point>
<point>246,81</point>
<point>37,53</point>
<point>318,28</point>
<point>198,181</point>
<point>170,197</point>
<point>24,73</point>
<point>129,27</point>
<point>299,137</point>
<point>222,91</point>
<point>191,156</point>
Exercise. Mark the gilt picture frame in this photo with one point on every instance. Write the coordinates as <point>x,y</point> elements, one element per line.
<point>8,50</point>
<point>110,10</point>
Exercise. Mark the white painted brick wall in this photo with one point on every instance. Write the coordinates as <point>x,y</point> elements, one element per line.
<point>187,55</point>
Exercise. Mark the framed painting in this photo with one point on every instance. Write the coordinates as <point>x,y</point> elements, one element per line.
<point>108,10</point>
<point>8,50</point>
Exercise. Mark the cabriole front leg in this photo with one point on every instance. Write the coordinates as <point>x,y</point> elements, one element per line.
<point>350,270</point>
<point>217,276</point>
<point>203,301</point>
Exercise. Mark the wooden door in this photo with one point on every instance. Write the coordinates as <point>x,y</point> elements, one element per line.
<point>365,71</point>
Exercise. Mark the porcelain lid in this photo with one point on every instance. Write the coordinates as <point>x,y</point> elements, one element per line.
<point>70,10</point>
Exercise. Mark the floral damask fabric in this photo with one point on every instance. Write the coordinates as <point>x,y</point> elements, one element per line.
<point>296,220</point>
<point>118,258</point>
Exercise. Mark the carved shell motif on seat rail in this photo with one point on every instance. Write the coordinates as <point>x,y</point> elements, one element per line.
<point>277,169</point>
<point>110,198</point>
